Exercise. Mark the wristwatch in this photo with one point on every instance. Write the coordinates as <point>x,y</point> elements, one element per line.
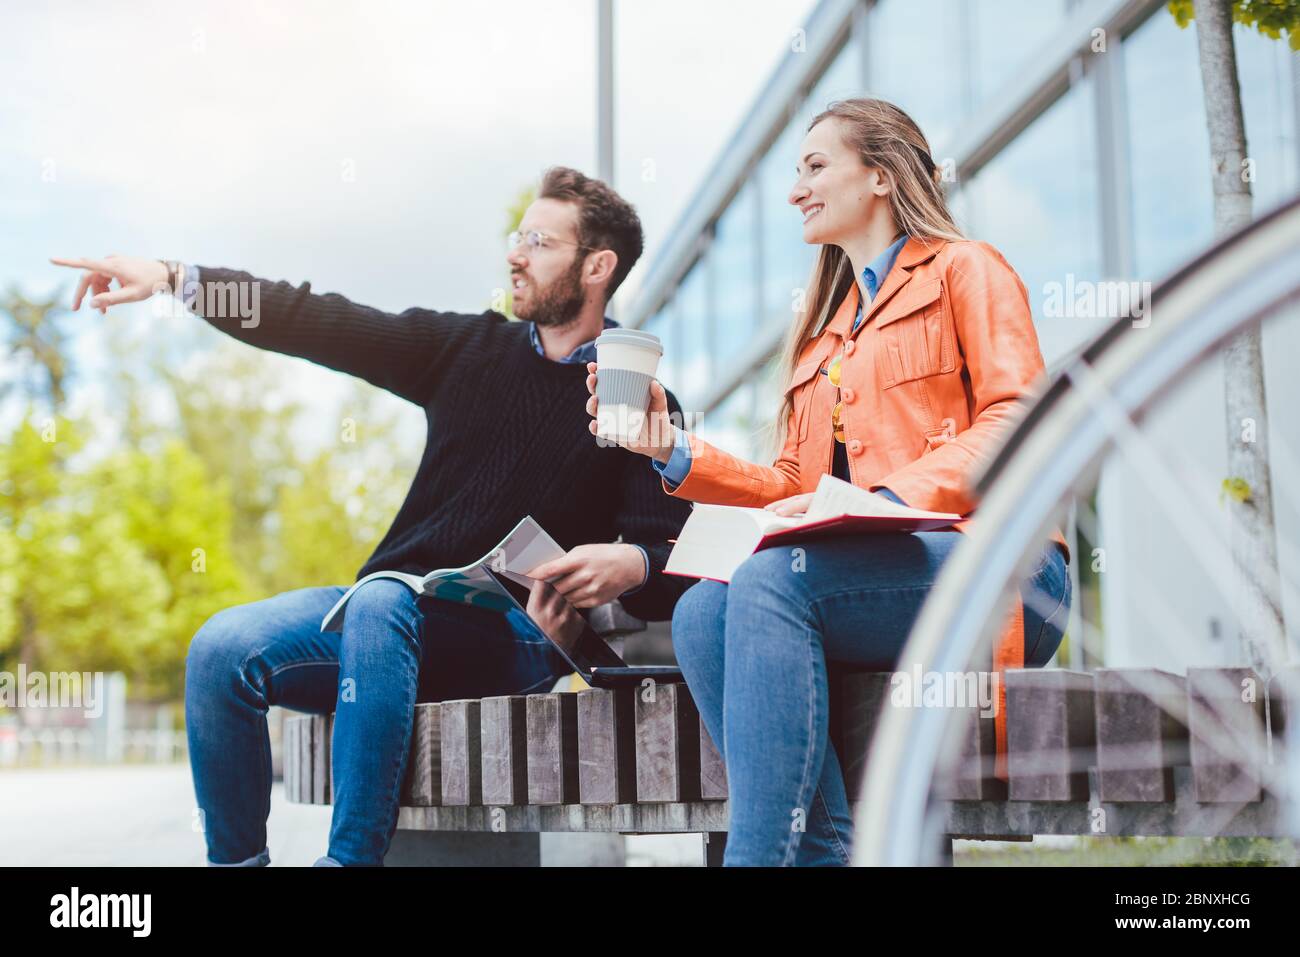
<point>173,275</point>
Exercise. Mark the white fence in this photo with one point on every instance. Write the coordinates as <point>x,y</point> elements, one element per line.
<point>27,746</point>
<point>64,736</point>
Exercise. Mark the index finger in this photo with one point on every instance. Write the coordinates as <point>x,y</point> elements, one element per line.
<point>98,265</point>
<point>554,568</point>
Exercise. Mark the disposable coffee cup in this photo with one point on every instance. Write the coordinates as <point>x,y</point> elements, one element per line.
<point>627,360</point>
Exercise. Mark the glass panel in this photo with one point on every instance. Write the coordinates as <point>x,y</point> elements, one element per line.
<point>787,259</point>
<point>730,426</point>
<point>734,257</point>
<point>1268,92</point>
<point>768,392</point>
<point>960,206</point>
<point>1169,148</point>
<point>693,354</point>
<point>1173,202</point>
<point>661,324</point>
<point>841,80</point>
<point>1005,35</point>
<point>915,63</point>
<point>1037,202</point>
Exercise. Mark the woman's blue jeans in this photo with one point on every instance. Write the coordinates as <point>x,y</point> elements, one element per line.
<point>395,649</point>
<point>755,655</point>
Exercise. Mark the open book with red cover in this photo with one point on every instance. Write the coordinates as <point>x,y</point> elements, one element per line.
<point>717,538</point>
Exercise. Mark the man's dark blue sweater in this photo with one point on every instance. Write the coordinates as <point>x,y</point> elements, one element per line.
<point>507,432</point>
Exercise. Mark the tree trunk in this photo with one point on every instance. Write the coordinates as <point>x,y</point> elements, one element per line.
<point>1256,588</point>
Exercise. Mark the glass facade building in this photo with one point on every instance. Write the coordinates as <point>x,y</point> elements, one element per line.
<point>1076,133</point>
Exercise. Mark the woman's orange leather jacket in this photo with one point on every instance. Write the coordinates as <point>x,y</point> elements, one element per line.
<point>930,381</point>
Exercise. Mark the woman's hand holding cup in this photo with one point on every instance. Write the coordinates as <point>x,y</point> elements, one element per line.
<point>657,434</point>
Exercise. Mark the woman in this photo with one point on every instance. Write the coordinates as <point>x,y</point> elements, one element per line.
<point>901,396</point>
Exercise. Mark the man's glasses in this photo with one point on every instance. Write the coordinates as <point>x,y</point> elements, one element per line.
<point>533,240</point>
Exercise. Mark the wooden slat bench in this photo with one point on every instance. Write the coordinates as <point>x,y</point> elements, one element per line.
<point>1108,753</point>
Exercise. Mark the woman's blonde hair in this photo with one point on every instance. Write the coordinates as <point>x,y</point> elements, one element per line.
<point>886,138</point>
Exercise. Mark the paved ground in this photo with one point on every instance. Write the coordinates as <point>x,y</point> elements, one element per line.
<point>133,815</point>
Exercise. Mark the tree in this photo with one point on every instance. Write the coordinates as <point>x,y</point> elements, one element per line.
<point>205,494</point>
<point>1257,591</point>
<point>231,410</point>
<point>36,337</point>
<point>98,562</point>
<point>85,592</point>
<point>330,517</point>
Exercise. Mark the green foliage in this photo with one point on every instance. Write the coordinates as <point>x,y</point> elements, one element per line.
<point>1272,18</point>
<point>96,557</point>
<point>117,544</point>
<point>1237,489</point>
<point>39,342</point>
<point>1134,852</point>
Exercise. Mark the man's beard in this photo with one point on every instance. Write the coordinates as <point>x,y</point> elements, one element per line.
<point>558,304</point>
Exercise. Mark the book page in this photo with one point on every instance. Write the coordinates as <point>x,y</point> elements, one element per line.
<point>526,547</point>
<point>835,497</point>
<point>717,538</point>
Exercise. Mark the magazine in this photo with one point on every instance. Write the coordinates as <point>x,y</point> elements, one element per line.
<point>526,547</point>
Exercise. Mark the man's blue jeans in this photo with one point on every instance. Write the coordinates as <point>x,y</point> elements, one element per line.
<point>755,655</point>
<point>395,649</point>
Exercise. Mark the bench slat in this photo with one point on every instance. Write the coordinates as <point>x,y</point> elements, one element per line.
<point>1141,733</point>
<point>461,757</point>
<point>972,777</point>
<point>606,746</point>
<point>1051,734</point>
<point>552,721</point>
<point>321,733</point>
<point>713,770</point>
<point>1226,733</point>
<point>424,763</point>
<point>505,750</point>
<point>289,757</point>
<point>667,744</point>
<point>304,759</point>
<point>862,697</point>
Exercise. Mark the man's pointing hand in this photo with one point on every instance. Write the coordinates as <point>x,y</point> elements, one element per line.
<point>137,279</point>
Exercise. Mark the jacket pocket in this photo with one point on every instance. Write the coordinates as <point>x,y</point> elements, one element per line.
<point>917,340</point>
<point>803,381</point>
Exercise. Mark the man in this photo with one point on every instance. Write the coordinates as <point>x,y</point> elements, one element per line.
<point>507,437</point>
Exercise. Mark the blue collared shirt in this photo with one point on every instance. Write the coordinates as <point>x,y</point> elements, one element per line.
<point>873,276</point>
<point>584,353</point>
<point>678,465</point>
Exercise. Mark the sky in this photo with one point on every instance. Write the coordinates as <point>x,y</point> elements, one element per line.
<point>371,148</point>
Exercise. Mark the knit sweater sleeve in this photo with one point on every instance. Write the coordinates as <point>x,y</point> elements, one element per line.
<point>647,517</point>
<point>404,353</point>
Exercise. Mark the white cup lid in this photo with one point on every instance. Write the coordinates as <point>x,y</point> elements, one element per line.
<point>630,337</point>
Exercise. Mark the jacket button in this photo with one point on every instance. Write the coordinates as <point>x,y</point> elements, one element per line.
<point>849,394</point>
<point>855,447</point>
<point>850,346</point>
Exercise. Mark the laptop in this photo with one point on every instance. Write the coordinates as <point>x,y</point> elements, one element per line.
<point>590,655</point>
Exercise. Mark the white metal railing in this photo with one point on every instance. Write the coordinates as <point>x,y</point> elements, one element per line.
<point>26,747</point>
